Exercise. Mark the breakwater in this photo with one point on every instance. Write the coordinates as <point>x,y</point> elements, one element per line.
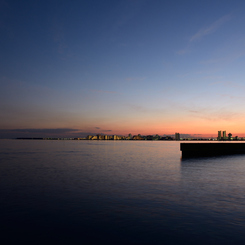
<point>211,149</point>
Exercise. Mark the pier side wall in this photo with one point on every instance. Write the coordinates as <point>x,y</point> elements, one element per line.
<point>211,149</point>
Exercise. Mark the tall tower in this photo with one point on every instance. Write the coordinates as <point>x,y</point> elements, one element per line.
<point>177,136</point>
<point>219,135</point>
<point>224,135</point>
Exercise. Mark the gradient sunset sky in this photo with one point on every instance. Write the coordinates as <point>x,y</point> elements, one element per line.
<point>121,66</point>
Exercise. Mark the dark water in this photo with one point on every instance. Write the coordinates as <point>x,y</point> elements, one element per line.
<point>117,192</point>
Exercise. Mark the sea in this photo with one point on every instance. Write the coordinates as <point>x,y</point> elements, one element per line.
<point>118,192</point>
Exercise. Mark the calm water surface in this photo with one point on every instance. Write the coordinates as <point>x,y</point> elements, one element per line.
<point>118,192</point>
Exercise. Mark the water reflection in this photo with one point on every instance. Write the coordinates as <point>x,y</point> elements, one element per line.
<point>216,185</point>
<point>128,192</point>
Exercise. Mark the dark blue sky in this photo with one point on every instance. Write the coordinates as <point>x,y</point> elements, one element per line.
<point>124,66</point>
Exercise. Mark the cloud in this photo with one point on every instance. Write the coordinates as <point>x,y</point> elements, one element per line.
<point>39,132</point>
<point>211,29</point>
<point>103,130</point>
<point>204,32</point>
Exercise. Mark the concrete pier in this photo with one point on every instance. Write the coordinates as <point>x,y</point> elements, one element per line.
<point>211,149</point>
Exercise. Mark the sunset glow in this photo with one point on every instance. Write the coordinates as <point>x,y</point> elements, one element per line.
<point>120,67</point>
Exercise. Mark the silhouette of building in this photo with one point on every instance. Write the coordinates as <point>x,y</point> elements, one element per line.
<point>177,136</point>
<point>224,135</point>
<point>219,135</point>
<point>138,137</point>
<point>229,136</point>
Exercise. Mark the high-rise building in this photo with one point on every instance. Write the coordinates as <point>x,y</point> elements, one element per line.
<point>219,135</point>
<point>177,136</point>
<point>224,135</point>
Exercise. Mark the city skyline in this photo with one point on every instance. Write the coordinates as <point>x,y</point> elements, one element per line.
<point>62,134</point>
<point>119,67</point>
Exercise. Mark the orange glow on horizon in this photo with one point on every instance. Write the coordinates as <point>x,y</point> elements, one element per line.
<point>196,128</point>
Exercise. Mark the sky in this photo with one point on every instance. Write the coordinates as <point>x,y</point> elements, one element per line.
<point>73,68</point>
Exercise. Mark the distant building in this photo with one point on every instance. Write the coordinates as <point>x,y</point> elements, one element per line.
<point>138,137</point>
<point>167,138</point>
<point>219,135</point>
<point>100,137</point>
<point>229,136</point>
<point>224,135</point>
<point>149,137</point>
<point>177,136</point>
<point>156,137</point>
<point>116,137</point>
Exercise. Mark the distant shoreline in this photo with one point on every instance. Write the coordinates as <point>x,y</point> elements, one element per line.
<point>187,139</point>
